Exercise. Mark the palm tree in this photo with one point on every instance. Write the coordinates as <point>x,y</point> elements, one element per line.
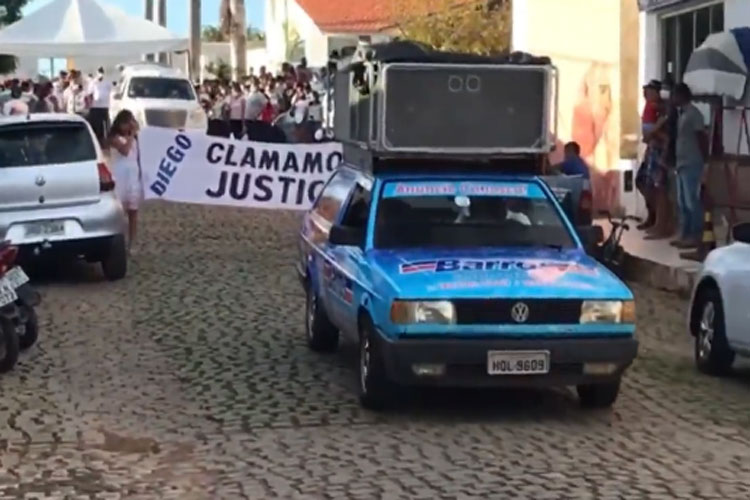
<point>234,25</point>
<point>195,38</point>
<point>11,14</point>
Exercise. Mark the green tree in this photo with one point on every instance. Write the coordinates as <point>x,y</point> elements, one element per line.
<point>212,34</point>
<point>295,47</point>
<point>475,26</point>
<point>221,69</point>
<point>215,34</point>
<point>233,23</point>
<point>255,35</point>
<point>12,13</point>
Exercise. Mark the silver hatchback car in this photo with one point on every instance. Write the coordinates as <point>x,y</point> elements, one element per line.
<point>57,194</point>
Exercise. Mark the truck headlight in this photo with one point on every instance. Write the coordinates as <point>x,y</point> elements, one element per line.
<point>441,312</point>
<point>608,311</point>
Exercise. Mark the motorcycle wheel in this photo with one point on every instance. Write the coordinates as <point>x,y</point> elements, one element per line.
<point>9,346</point>
<point>31,328</point>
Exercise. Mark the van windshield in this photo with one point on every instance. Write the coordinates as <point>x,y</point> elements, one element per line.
<point>468,214</point>
<point>160,88</point>
<point>45,143</point>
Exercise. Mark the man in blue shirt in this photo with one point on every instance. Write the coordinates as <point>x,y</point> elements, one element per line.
<point>573,164</point>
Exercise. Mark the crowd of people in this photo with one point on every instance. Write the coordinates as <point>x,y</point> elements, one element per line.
<point>670,177</point>
<point>288,107</point>
<point>70,92</point>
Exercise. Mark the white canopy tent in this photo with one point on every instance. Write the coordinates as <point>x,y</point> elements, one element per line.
<point>86,28</point>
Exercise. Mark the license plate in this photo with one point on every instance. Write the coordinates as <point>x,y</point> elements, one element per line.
<point>517,362</point>
<point>16,277</point>
<point>46,228</point>
<point>7,293</point>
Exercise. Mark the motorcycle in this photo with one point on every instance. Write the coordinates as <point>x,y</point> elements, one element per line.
<point>27,299</point>
<point>9,314</point>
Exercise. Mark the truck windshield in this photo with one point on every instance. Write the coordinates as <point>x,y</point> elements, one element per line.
<point>419,215</point>
<point>160,88</point>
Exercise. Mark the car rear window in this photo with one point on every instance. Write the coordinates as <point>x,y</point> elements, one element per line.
<point>160,88</point>
<point>33,144</point>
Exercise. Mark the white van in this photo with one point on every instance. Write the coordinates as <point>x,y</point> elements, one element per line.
<point>158,96</point>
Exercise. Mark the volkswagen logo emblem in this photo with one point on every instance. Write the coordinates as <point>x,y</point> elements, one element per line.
<point>40,181</point>
<point>519,312</point>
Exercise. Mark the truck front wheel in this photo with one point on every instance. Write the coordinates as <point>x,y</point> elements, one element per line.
<point>376,392</point>
<point>598,395</point>
<point>322,335</point>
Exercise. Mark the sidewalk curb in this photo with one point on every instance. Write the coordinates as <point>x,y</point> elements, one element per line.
<point>679,280</point>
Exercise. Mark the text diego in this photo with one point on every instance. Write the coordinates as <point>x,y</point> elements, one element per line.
<point>169,163</point>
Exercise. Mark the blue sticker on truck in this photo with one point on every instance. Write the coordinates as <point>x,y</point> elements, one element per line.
<point>477,188</point>
<point>452,265</point>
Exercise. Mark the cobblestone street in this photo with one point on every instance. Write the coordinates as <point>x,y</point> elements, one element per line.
<point>191,379</point>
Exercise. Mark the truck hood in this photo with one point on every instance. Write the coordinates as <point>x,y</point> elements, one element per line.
<point>506,273</point>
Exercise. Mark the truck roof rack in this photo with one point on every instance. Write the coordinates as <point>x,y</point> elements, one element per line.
<point>414,52</point>
<point>367,161</point>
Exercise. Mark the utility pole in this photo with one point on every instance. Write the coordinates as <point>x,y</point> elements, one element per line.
<point>161,18</point>
<point>195,39</point>
<point>238,39</point>
<point>148,11</point>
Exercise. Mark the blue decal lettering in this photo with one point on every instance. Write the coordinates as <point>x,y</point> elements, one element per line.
<point>170,162</point>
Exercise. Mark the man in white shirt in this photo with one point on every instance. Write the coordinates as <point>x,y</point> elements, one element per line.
<point>16,105</point>
<point>76,102</point>
<point>256,102</point>
<point>99,91</point>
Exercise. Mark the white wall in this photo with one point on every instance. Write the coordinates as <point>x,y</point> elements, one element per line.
<point>315,42</point>
<point>26,67</point>
<point>519,32</point>
<point>275,14</point>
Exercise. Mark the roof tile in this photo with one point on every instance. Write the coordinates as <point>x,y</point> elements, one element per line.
<point>349,16</point>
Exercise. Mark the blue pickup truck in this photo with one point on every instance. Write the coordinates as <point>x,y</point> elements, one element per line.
<point>463,279</point>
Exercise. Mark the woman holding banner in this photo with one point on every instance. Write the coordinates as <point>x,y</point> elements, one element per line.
<point>126,168</point>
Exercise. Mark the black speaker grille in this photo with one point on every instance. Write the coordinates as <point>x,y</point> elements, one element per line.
<point>465,108</point>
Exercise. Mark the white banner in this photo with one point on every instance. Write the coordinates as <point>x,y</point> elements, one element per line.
<point>192,167</point>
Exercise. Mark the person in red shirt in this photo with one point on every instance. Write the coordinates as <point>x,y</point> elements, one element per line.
<point>647,175</point>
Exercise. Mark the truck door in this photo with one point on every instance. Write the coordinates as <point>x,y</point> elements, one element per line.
<point>323,256</point>
<point>351,273</point>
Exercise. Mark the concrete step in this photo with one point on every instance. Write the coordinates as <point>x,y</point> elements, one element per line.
<point>669,277</point>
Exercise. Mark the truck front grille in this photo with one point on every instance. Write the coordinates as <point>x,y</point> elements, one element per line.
<point>498,311</point>
<point>166,118</point>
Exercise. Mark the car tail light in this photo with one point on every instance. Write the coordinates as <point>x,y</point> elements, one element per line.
<point>8,256</point>
<point>106,182</point>
<point>585,207</point>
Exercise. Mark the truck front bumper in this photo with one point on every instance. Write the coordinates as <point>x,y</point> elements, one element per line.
<point>465,361</point>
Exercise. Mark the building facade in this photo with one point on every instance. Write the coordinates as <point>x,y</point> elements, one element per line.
<point>672,29</point>
<point>313,28</point>
<point>599,92</point>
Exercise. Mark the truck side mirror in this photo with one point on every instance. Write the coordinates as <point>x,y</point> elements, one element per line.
<point>741,232</point>
<point>346,236</point>
<point>590,236</point>
<point>566,203</point>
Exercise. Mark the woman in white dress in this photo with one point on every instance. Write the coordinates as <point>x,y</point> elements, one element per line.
<point>126,169</point>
